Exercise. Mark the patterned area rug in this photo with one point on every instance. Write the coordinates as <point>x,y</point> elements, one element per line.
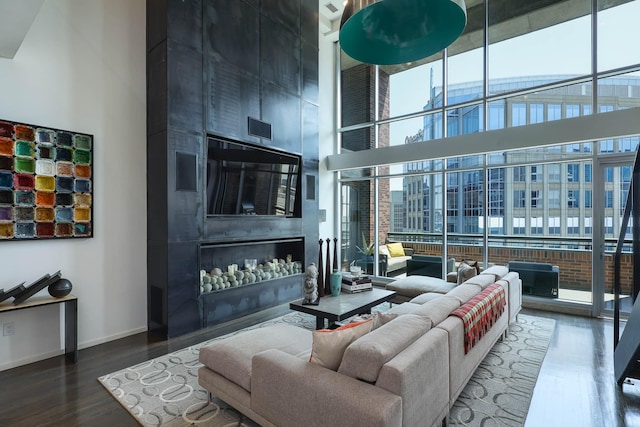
<point>165,391</point>
<point>499,392</point>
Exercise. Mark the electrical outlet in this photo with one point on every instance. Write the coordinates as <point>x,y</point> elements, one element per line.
<point>8,329</point>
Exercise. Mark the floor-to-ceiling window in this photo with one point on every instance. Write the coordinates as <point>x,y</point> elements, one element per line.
<point>527,67</point>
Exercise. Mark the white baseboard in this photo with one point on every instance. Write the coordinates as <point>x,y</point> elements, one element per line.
<point>30,359</point>
<point>59,352</point>
<point>110,338</point>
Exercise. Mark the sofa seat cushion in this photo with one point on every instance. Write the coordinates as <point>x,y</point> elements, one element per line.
<point>426,297</point>
<point>364,358</point>
<point>464,292</point>
<point>498,272</point>
<point>412,286</point>
<point>231,356</point>
<point>482,280</point>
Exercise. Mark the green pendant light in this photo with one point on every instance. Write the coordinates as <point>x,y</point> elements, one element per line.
<point>387,32</point>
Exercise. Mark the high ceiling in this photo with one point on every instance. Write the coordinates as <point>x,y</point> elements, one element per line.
<point>16,18</point>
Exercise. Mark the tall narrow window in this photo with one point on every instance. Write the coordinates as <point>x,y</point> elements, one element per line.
<point>573,172</point>
<point>573,198</point>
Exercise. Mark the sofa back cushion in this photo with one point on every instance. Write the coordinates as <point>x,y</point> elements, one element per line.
<point>482,280</point>
<point>438,309</point>
<point>364,358</point>
<point>498,271</point>
<point>464,292</point>
<point>395,249</point>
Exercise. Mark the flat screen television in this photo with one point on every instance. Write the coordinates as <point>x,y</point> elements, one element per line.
<point>245,179</point>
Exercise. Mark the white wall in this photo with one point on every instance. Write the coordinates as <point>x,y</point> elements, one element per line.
<point>327,143</point>
<point>81,67</point>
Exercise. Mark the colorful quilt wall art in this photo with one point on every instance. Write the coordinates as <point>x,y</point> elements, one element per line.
<point>45,183</point>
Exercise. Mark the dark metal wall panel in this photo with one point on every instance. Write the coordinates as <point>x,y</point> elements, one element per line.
<point>310,130</point>
<point>185,210</point>
<point>232,32</point>
<point>156,23</point>
<point>211,64</point>
<point>232,96</point>
<point>309,17</point>
<point>282,110</point>
<point>240,229</point>
<point>279,56</point>
<point>185,23</point>
<point>184,313</point>
<point>185,98</point>
<point>157,231</point>
<point>310,73</point>
<point>285,12</point>
<point>157,89</point>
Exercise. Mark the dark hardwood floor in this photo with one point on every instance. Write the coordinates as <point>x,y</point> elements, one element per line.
<point>576,386</point>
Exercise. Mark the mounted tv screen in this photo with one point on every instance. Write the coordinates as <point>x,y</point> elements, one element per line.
<point>244,179</point>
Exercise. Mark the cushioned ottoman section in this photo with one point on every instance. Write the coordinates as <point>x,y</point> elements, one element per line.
<point>498,271</point>
<point>421,299</point>
<point>412,286</point>
<point>464,292</point>
<point>482,280</point>
<point>438,309</point>
<point>364,357</point>
<point>231,357</point>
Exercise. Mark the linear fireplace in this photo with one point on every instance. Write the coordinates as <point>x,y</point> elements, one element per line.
<point>243,277</point>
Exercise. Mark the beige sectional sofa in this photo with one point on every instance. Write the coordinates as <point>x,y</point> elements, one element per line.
<point>406,372</point>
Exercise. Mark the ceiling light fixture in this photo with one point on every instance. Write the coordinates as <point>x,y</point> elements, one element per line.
<point>387,32</point>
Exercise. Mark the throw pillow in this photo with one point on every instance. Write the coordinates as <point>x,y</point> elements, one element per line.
<point>395,249</point>
<point>466,271</point>
<point>329,345</point>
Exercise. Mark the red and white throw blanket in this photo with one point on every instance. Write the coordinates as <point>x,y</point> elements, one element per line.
<point>480,313</point>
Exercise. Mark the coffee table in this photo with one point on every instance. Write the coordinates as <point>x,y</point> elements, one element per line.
<point>343,306</point>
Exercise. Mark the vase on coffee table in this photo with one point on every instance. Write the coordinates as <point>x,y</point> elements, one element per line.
<point>335,282</point>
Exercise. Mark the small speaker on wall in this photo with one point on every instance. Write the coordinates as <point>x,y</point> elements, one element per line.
<point>186,175</point>
<point>311,187</point>
<point>259,128</point>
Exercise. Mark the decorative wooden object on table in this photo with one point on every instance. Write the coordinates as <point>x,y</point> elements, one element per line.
<point>335,253</point>
<point>320,270</point>
<point>327,276</point>
<point>36,287</point>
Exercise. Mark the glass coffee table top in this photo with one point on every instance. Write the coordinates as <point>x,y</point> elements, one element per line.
<point>343,306</point>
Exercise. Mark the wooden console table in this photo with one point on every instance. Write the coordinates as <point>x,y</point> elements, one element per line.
<point>70,319</point>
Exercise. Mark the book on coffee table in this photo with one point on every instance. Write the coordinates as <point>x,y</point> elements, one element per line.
<point>356,284</point>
